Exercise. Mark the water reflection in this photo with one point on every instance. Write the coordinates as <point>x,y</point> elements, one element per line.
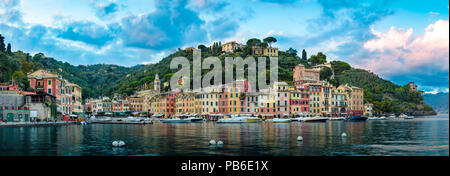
<point>421,136</point>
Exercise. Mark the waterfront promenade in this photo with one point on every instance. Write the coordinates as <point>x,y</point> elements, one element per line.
<point>34,124</point>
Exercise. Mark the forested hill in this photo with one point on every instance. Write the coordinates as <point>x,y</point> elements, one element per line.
<point>94,79</point>
<point>105,80</point>
<point>386,96</point>
<point>145,75</point>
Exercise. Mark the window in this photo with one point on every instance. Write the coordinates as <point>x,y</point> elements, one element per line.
<point>49,91</point>
<point>49,82</point>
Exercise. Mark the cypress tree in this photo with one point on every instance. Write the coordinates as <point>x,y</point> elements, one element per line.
<point>304,56</point>
<point>2,43</point>
<point>8,49</point>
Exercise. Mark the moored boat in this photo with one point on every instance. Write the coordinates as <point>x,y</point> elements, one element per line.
<point>280,120</point>
<point>403,116</point>
<point>382,118</point>
<point>373,118</point>
<point>239,119</point>
<point>315,119</point>
<point>392,116</point>
<point>233,120</point>
<point>409,117</point>
<point>356,118</point>
<point>337,118</point>
<point>195,119</point>
<point>175,120</point>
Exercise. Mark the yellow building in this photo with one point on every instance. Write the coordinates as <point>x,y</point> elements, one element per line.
<point>136,104</point>
<point>339,101</point>
<point>261,51</point>
<point>231,47</point>
<point>355,97</point>
<point>234,99</point>
<point>326,98</point>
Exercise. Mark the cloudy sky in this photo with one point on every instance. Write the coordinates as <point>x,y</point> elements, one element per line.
<point>400,40</point>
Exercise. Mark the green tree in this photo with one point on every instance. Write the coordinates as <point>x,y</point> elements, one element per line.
<point>202,47</point>
<point>325,73</point>
<point>270,40</point>
<point>304,55</point>
<point>320,58</point>
<point>340,66</point>
<point>253,42</point>
<point>2,43</point>
<point>292,52</point>
<point>8,49</point>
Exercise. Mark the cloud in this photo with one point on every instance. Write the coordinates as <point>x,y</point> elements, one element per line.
<point>401,56</point>
<point>279,1</point>
<point>10,13</point>
<point>104,10</point>
<point>87,32</point>
<point>9,3</point>
<point>171,25</point>
<point>434,13</point>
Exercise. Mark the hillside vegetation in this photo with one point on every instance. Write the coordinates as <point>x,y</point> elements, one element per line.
<point>105,80</point>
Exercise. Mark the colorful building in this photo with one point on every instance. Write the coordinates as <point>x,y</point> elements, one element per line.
<point>231,47</point>
<point>302,75</point>
<point>355,97</point>
<point>262,51</point>
<point>47,82</point>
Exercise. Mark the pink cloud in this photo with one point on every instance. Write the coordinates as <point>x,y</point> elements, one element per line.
<point>397,51</point>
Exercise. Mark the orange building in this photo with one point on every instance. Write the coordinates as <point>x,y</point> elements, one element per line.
<point>303,75</point>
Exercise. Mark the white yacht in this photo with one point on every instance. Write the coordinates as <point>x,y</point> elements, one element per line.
<point>175,120</point>
<point>239,119</point>
<point>315,119</point>
<point>280,120</point>
<point>337,118</point>
<point>373,118</point>
<point>382,118</point>
<point>403,116</point>
<point>409,117</point>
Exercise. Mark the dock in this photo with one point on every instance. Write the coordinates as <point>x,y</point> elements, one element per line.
<point>34,124</point>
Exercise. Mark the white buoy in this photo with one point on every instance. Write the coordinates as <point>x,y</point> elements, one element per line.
<point>219,143</point>
<point>299,138</point>
<point>121,143</point>
<point>212,142</point>
<point>344,134</point>
<point>115,143</point>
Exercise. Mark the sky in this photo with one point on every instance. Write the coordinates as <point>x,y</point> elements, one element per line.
<point>399,40</point>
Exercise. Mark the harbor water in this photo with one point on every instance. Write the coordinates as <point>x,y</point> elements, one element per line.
<point>422,136</point>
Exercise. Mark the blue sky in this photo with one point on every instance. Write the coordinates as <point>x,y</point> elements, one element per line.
<point>399,40</point>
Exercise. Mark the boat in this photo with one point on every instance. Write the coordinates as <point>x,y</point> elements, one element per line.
<point>337,118</point>
<point>280,120</point>
<point>315,119</point>
<point>233,120</point>
<point>175,120</point>
<point>373,118</point>
<point>356,118</point>
<point>195,119</point>
<point>409,117</point>
<point>403,116</point>
<point>253,119</point>
<point>239,119</point>
<point>94,119</point>
<point>382,118</point>
<point>392,116</point>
